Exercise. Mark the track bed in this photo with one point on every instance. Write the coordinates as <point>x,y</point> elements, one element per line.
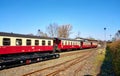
<point>68,62</point>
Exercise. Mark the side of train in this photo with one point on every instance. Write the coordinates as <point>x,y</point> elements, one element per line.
<point>18,49</point>
<point>11,43</point>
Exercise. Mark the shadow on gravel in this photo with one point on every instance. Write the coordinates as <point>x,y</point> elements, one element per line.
<point>107,67</point>
<point>88,75</point>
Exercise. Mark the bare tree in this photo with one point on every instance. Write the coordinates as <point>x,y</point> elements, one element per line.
<point>78,35</point>
<point>30,34</point>
<point>117,35</point>
<point>64,31</point>
<point>52,30</point>
<point>90,38</point>
<point>40,33</point>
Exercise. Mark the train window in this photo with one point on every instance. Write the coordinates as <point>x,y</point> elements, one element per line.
<point>63,42</point>
<point>6,41</point>
<point>43,42</point>
<point>66,43</point>
<point>36,42</point>
<point>49,42</point>
<point>28,42</point>
<point>18,41</point>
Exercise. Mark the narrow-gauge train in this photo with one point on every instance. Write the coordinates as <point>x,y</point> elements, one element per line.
<point>26,48</point>
<point>73,44</point>
<point>11,43</point>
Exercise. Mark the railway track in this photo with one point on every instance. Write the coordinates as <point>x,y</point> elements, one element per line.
<point>62,66</point>
<point>69,54</point>
<point>79,69</point>
<point>79,59</point>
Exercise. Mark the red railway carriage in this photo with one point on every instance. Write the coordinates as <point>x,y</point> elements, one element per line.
<point>94,43</point>
<point>86,44</point>
<point>11,43</point>
<point>66,44</point>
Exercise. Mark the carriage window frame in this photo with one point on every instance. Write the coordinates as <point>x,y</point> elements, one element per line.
<point>36,42</point>
<point>28,42</point>
<point>43,42</point>
<point>6,43</point>
<point>19,42</point>
<point>49,43</point>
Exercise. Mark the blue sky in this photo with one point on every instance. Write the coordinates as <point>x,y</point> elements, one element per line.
<point>89,17</point>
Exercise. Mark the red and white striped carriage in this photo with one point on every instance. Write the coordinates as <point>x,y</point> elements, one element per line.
<point>17,43</point>
<point>67,44</point>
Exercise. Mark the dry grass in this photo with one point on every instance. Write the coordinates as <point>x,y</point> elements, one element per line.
<point>114,46</point>
<point>114,49</point>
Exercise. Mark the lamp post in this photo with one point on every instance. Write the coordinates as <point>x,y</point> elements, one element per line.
<point>110,37</point>
<point>105,35</point>
<point>38,32</point>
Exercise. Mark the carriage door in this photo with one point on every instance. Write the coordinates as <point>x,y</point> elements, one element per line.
<point>91,44</point>
<point>54,45</point>
<point>81,44</point>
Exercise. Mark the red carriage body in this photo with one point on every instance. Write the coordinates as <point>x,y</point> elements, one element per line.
<point>67,44</point>
<point>26,44</point>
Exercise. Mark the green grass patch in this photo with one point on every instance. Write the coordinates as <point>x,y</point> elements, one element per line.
<point>99,59</point>
<point>105,59</point>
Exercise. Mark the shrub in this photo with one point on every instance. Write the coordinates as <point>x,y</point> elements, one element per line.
<point>114,48</point>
